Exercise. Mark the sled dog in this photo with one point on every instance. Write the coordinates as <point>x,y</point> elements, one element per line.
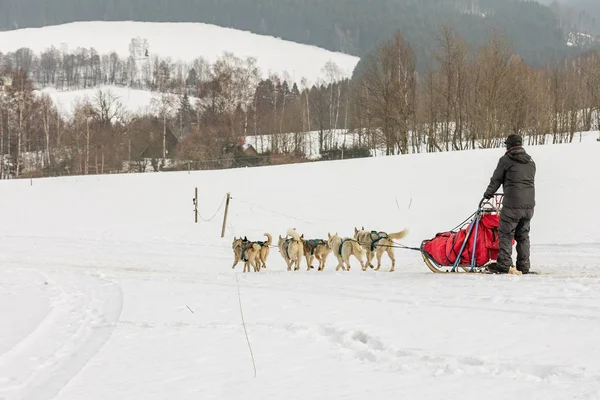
<point>264,250</point>
<point>246,251</point>
<point>291,249</point>
<point>316,248</point>
<point>343,249</point>
<point>377,243</point>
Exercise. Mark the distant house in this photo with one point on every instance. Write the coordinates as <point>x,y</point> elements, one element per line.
<point>249,150</point>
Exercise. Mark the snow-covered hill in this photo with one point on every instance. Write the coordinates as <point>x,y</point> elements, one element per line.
<point>185,42</point>
<point>109,289</point>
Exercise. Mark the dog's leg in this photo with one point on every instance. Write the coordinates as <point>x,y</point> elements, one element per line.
<point>370,256</point>
<point>379,255</point>
<point>390,252</point>
<point>340,263</point>
<point>363,266</point>
<point>324,260</point>
<point>359,256</point>
<point>309,260</point>
<point>348,262</point>
<point>256,261</point>
<point>287,261</point>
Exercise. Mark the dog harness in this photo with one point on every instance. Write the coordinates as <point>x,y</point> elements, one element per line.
<point>286,245</point>
<point>245,245</point>
<point>313,243</point>
<point>376,237</point>
<point>342,244</point>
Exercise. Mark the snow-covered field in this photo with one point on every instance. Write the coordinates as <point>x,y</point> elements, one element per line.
<point>108,289</point>
<point>185,42</point>
<point>133,100</point>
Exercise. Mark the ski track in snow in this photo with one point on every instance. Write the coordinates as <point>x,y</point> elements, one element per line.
<point>83,312</point>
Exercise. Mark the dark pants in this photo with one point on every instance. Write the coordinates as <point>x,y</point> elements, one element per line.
<point>514,223</point>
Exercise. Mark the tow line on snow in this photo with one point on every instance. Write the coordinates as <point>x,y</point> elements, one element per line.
<point>396,246</point>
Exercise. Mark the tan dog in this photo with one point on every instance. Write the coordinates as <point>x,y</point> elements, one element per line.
<point>246,251</point>
<point>378,243</point>
<point>316,248</point>
<point>343,249</point>
<point>264,250</point>
<point>291,249</point>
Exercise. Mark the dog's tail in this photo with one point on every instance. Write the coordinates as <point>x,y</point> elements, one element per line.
<point>269,239</point>
<point>398,235</point>
<point>292,232</point>
<point>357,248</point>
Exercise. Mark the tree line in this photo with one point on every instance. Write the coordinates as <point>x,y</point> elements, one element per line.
<point>469,97</point>
<point>353,27</point>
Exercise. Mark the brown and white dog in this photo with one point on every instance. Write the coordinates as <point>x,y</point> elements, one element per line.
<point>264,250</point>
<point>316,248</point>
<point>343,249</point>
<point>377,243</point>
<point>291,249</point>
<point>246,251</point>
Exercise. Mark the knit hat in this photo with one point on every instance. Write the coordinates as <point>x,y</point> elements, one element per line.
<point>513,140</point>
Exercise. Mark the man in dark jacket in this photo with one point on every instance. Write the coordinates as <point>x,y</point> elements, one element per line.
<point>516,173</point>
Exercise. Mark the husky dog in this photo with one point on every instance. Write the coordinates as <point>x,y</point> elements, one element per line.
<point>316,248</point>
<point>264,250</point>
<point>377,243</point>
<point>246,251</point>
<point>343,249</point>
<point>291,249</point>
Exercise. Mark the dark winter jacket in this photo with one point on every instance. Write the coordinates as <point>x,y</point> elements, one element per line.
<point>516,173</point>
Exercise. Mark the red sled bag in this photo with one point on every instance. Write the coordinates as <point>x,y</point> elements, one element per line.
<point>445,247</point>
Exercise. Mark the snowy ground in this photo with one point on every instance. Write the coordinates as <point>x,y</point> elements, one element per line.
<point>182,41</point>
<point>134,101</point>
<point>98,273</point>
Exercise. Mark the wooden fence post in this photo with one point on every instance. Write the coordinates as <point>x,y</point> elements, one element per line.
<point>225,215</point>
<point>196,205</point>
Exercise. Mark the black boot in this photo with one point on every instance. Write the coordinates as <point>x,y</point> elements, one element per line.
<point>494,268</point>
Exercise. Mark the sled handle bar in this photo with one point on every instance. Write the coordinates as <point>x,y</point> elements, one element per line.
<point>483,200</point>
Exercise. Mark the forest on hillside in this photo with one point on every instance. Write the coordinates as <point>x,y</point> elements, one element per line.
<point>350,26</point>
<point>470,97</point>
<point>577,15</point>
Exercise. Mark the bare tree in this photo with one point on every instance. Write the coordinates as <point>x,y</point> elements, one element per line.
<point>452,58</point>
<point>390,86</point>
<point>165,107</point>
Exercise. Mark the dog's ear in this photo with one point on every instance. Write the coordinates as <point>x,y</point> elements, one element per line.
<point>328,235</point>
<point>355,230</point>
<point>363,228</point>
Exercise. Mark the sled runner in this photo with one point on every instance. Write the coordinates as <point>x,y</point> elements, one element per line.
<point>469,247</point>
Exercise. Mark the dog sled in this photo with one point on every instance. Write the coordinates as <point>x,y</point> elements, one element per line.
<point>469,247</point>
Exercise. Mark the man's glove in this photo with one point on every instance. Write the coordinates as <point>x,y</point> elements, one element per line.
<point>487,196</point>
